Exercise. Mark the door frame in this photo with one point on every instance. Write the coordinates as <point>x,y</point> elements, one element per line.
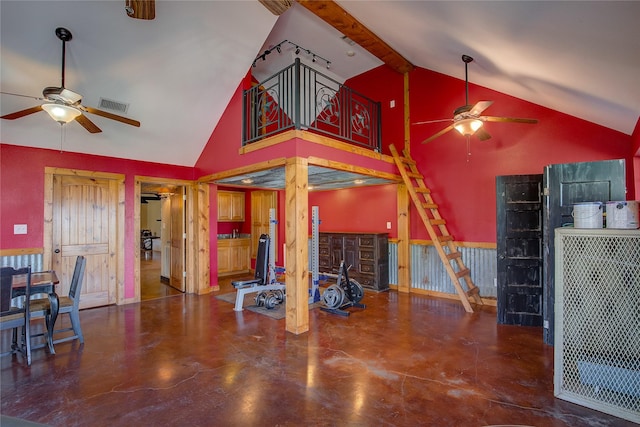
<point>47,255</point>
<point>196,245</point>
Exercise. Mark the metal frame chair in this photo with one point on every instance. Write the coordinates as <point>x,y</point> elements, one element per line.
<point>67,305</point>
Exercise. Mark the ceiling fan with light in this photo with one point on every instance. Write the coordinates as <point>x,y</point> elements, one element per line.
<point>467,119</point>
<point>64,105</point>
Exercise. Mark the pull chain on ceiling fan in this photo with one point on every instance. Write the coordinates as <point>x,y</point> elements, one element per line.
<point>467,119</point>
<point>64,105</point>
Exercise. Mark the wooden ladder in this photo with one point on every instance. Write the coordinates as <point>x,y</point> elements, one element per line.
<point>436,226</point>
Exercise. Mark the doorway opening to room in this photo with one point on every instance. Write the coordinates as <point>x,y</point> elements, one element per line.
<point>162,241</point>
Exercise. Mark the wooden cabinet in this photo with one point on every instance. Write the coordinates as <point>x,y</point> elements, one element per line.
<point>233,256</point>
<point>366,253</point>
<point>230,206</point>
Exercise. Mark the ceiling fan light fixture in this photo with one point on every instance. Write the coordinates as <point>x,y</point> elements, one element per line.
<point>468,127</point>
<point>61,113</point>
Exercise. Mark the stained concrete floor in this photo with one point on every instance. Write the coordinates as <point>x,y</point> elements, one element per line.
<point>405,360</point>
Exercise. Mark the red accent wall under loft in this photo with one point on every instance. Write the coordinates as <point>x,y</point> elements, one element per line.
<point>464,185</point>
<point>22,193</point>
<point>366,209</point>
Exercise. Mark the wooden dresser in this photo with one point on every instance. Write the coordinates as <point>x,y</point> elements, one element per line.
<point>366,253</point>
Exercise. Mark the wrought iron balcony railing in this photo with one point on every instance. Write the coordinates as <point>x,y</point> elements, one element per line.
<point>300,97</point>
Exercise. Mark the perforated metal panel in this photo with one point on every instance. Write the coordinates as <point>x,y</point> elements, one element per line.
<point>597,320</point>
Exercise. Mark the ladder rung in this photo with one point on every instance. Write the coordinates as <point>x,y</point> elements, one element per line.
<point>437,221</point>
<point>473,291</point>
<point>454,255</point>
<point>463,272</point>
<point>408,161</point>
<point>430,206</point>
<point>423,190</point>
<point>414,175</point>
<point>444,239</point>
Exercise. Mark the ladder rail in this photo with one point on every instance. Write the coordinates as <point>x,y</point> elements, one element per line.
<point>437,229</point>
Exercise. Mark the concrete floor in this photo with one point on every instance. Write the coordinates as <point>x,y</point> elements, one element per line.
<point>405,360</point>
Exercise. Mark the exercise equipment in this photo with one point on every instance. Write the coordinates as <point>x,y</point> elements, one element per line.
<point>344,294</point>
<point>260,283</point>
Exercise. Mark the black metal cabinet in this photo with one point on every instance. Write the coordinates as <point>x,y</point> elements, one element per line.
<point>366,253</point>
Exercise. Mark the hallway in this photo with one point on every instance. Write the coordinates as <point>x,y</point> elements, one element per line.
<point>151,285</point>
<point>405,360</point>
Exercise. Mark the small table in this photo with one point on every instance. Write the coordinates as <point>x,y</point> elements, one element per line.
<point>41,282</point>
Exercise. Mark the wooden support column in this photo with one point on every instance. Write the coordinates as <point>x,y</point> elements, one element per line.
<point>296,237</point>
<point>404,244</point>
<point>404,205</point>
<point>202,250</point>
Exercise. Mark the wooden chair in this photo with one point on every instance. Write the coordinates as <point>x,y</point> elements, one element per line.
<point>13,317</point>
<point>68,305</point>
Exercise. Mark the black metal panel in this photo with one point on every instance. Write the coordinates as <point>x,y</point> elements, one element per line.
<point>567,184</point>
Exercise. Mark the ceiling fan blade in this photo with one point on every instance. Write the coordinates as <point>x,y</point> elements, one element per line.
<point>480,107</point>
<point>507,119</point>
<point>111,116</point>
<point>141,9</point>
<point>24,96</point>
<point>88,124</point>
<point>442,132</point>
<point>22,113</point>
<point>482,134</point>
<point>432,121</point>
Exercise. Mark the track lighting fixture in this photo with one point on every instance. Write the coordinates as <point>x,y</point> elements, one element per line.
<point>314,56</point>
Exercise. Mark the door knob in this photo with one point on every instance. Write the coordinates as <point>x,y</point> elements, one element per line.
<point>57,251</point>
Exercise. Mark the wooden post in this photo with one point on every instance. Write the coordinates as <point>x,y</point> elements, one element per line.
<point>404,244</point>
<point>202,246</point>
<point>296,237</point>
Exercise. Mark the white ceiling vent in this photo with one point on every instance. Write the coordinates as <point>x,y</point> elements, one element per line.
<point>109,104</point>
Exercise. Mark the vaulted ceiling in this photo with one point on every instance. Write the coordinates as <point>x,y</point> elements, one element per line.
<point>177,72</point>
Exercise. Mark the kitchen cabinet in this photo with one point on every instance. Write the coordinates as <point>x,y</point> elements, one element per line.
<point>230,206</point>
<point>366,253</point>
<point>233,256</point>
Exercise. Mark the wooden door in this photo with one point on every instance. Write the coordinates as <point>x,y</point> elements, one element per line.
<point>177,239</point>
<point>519,249</point>
<point>261,203</point>
<point>566,184</point>
<point>85,223</point>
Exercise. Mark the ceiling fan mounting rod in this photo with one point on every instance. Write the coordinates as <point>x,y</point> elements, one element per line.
<point>466,59</point>
<point>64,35</point>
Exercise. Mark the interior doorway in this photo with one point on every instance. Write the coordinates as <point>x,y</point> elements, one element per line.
<point>162,231</point>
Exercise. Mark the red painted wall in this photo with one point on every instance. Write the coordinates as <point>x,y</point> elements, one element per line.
<point>22,193</point>
<point>365,209</point>
<point>635,138</point>
<point>464,185</point>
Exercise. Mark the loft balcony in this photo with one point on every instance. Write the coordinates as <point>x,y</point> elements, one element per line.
<point>301,98</point>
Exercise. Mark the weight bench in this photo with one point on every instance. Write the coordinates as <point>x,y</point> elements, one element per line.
<point>260,278</point>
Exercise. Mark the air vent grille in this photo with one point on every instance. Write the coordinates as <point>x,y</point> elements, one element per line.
<point>109,104</point>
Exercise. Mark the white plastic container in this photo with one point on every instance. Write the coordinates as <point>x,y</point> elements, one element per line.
<point>622,215</point>
<point>587,215</point>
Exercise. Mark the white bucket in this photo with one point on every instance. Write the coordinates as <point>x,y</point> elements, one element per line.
<point>587,215</point>
<point>622,214</point>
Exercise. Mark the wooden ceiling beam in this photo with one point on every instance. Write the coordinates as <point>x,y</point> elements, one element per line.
<point>277,7</point>
<point>341,20</point>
